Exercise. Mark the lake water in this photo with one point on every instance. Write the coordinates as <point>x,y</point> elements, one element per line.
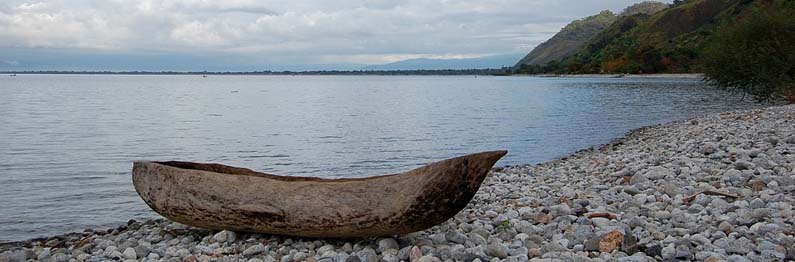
<point>67,142</point>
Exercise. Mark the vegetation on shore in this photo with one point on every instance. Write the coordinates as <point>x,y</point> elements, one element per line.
<point>756,53</point>
<point>741,45</point>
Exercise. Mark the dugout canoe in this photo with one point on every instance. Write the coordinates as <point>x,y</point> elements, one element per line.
<point>216,196</point>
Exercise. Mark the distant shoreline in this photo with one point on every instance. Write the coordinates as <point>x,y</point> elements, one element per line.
<point>476,72</point>
<point>320,72</point>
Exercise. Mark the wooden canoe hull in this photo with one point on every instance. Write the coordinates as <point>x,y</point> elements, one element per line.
<point>221,197</point>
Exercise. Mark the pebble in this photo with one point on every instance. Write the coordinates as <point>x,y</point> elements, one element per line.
<point>495,249</point>
<point>387,243</point>
<point>224,236</point>
<point>255,250</point>
<point>129,253</point>
<point>455,237</point>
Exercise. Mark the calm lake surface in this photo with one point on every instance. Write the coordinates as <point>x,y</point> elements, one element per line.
<point>67,142</point>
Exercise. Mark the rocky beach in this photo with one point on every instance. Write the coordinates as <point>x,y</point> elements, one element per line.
<point>713,188</point>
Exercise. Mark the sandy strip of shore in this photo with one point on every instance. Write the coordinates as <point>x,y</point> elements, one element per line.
<point>713,188</point>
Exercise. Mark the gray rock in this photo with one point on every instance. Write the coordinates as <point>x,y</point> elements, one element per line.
<point>142,250</point>
<point>496,249</point>
<point>668,252</point>
<point>387,243</point>
<point>743,165</point>
<point>129,253</point>
<point>116,254</point>
<point>224,236</point>
<point>733,176</point>
<point>683,253</point>
<point>518,251</point>
<point>600,222</point>
<point>725,227</point>
<point>324,249</point>
<point>757,203</point>
<point>708,148</point>
<point>632,190</point>
<point>415,254</point>
<point>438,239</point>
<point>455,237</point>
<point>670,188</point>
<point>255,250</point>
<point>60,257</point>
<point>367,255</point>
<point>591,244</point>
<point>45,254</point>
<point>561,210</point>
<point>658,172</point>
<point>390,258</point>
<point>654,250</point>
<point>477,239</point>
<point>429,258</point>
<point>403,253</point>
<point>299,256</point>
<point>629,244</point>
<point>737,258</point>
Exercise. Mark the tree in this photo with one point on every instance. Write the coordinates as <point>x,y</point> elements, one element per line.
<point>756,54</point>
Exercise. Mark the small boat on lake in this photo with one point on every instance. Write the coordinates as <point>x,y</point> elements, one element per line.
<point>216,196</point>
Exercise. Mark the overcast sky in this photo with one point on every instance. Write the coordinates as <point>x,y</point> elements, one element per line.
<point>288,32</point>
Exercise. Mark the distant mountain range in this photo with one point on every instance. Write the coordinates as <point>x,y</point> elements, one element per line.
<point>496,61</point>
<point>646,38</point>
<point>27,60</point>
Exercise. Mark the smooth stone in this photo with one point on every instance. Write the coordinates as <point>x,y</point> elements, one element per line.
<point>129,253</point>
<point>255,250</point>
<point>429,259</point>
<point>600,222</point>
<point>299,256</point>
<point>668,252</point>
<point>387,243</point>
<point>495,249</point>
<point>324,249</point>
<point>415,254</point>
<point>455,237</point>
<point>224,236</point>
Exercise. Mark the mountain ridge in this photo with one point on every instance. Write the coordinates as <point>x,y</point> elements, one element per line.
<point>574,35</point>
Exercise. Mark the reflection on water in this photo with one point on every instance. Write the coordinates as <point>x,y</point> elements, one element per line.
<point>68,141</point>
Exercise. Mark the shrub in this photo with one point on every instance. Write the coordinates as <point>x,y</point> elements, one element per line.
<point>756,54</point>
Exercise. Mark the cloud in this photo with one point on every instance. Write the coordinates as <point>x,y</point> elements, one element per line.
<point>313,31</point>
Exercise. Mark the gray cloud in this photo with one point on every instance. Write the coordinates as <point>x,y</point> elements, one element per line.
<point>308,32</point>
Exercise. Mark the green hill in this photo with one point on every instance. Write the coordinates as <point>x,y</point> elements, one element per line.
<point>569,39</point>
<point>572,37</point>
<point>668,41</point>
